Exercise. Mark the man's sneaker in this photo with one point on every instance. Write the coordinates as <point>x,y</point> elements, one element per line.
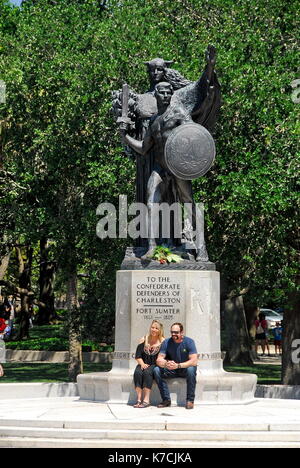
<point>189,405</point>
<point>164,404</point>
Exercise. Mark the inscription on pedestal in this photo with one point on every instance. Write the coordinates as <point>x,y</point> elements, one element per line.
<point>158,296</point>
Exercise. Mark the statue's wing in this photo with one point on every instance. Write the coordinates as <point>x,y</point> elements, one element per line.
<point>202,99</point>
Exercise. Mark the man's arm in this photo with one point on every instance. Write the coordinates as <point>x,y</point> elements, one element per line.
<point>193,361</point>
<point>172,365</point>
<point>161,360</point>
<point>140,147</point>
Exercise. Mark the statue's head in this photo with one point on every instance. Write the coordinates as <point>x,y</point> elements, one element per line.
<point>163,93</point>
<point>156,69</point>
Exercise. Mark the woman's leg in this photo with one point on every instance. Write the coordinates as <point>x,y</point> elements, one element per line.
<point>138,382</point>
<point>148,381</point>
<point>268,347</point>
<point>139,394</point>
<point>146,398</point>
<point>1,371</point>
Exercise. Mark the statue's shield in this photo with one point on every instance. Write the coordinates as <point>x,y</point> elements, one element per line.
<point>190,151</point>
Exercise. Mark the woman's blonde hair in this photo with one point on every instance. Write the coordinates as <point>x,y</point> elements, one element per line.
<point>161,335</point>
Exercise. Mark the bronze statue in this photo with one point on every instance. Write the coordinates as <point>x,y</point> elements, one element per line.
<point>168,125</point>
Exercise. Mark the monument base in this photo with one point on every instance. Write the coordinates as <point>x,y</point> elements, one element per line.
<point>191,297</point>
<point>222,388</point>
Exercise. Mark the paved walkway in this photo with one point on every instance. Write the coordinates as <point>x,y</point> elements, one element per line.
<point>70,422</point>
<point>270,412</point>
<point>273,359</point>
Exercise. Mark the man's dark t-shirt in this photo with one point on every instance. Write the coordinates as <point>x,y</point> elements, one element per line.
<point>178,352</point>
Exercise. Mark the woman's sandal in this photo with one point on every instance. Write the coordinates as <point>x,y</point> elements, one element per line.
<point>137,405</point>
<point>144,405</point>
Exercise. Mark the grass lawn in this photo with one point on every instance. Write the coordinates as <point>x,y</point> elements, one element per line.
<point>43,372</point>
<point>58,372</point>
<point>267,374</point>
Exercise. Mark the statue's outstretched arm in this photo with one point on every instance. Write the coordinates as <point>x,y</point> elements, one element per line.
<point>211,55</point>
<point>206,109</point>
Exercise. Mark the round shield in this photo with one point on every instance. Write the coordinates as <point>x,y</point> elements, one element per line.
<point>190,151</point>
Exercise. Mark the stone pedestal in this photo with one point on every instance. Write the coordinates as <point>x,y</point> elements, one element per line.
<point>189,297</point>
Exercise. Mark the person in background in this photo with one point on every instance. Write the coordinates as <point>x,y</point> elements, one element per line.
<point>146,355</point>
<point>267,340</point>
<point>277,333</point>
<point>2,330</point>
<point>261,326</point>
<point>11,316</point>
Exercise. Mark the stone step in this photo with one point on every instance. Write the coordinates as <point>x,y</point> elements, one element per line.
<point>28,442</point>
<point>139,425</point>
<point>150,435</point>
<point>16,391</point>
<point>66,389</point>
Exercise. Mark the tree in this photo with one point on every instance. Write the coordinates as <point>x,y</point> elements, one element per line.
<point>8,17</point>
<point>48,267</point>
<point>236,339</point>
<point>58,150</point>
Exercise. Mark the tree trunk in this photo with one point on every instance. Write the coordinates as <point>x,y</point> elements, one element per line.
<point>46,282</point>
<point>75,346</point>
<point>4,262</point>
<point>25,266</point>
<point>291,341</point>
<point>237,340</point>
<point>251,311</point>
<point>5,255</point>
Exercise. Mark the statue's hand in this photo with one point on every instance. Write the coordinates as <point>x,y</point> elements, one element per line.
<point>211,54</point>
<point>124,124</point>
<point>122,133</point>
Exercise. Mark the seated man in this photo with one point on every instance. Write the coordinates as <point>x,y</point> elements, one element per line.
<point>177,358</point>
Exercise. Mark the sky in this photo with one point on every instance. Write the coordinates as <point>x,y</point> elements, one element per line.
<point>16,2</point>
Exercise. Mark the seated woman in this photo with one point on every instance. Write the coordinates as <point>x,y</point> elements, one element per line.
<point>146,355</point>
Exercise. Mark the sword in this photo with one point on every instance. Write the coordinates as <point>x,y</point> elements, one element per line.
<point>124,121</point>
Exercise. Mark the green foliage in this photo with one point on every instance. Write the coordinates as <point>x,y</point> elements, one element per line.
<point>42,344</point>
<point>8,17</point>
<point>165,255</point>
<point>98,306</point>
<point>55,344</point>
<point>53,338</point>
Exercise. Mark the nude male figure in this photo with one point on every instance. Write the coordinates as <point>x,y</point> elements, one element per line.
<point>167,118</point>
